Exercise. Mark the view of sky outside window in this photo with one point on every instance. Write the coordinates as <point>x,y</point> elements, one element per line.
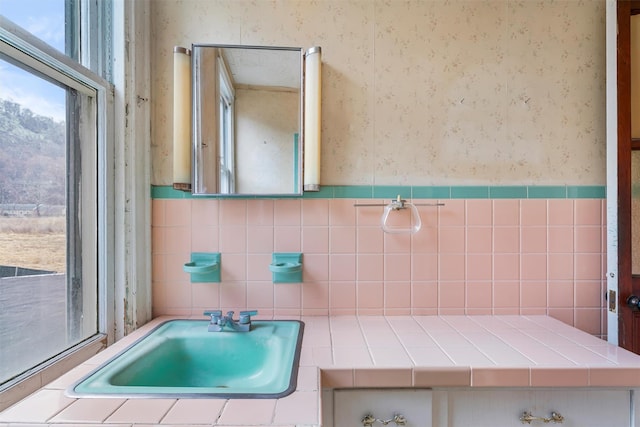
<point>44,19</point>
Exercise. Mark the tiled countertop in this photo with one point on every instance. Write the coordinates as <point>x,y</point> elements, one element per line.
<point>366,351</point>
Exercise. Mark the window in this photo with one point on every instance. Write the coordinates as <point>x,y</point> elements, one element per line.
<point>227,124</point>
<point>53,116</point>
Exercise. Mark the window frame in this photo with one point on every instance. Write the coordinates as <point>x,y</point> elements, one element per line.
<point>227,129</point>
<point>98,219</point>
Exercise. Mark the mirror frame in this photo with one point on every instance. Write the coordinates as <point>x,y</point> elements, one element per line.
<point>198,161</point>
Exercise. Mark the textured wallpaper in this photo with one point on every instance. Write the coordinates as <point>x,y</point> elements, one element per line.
<point>422,92</point>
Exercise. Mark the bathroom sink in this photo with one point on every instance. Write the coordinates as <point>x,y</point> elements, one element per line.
<point>180,358</point>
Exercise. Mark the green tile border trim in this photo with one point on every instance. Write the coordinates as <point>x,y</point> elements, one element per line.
<point>547,192</point>
<point>508,192</point>
<point>435,192</point>
<point>348,192</point>
<point>417,192</point>
<point>168,192</point>
<point>586,192</point>
<point>468,192</point>
<point>391,192</point>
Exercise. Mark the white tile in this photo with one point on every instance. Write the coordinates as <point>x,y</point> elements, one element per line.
<point>194,411</point>
<point>38,407</point>
<point>70,377</point>
<point>308,378</point>
<point>298,408</point>
<point>351,356</point>
<point>88,410</point>
<point>236,411</point>
<point>141,411</point>
<point>393,356</point>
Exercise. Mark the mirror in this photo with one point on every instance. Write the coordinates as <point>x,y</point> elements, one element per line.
<point>247,120</point>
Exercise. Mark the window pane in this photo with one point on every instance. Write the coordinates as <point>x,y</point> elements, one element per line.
<point>635,212</point>
<point>44,19</point>
<point>635,81</point>
<point>42,302</point>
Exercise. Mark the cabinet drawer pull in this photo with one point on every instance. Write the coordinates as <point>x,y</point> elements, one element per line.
<point>555,417</point>
<point>398,419</point>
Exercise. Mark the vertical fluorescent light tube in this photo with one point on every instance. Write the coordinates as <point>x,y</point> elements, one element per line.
<point>181,118</point>
<point>312,115</point>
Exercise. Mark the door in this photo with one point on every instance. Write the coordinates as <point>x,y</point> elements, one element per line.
<point>628,173</point>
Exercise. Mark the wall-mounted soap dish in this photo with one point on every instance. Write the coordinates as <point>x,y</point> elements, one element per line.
<point>286,267</point>
<point>204,267</point>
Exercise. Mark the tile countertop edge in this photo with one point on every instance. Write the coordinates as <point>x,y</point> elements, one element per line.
<point>605,365</point>
<point>484,377</point>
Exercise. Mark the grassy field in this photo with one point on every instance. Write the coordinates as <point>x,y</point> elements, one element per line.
<point>38,243</point>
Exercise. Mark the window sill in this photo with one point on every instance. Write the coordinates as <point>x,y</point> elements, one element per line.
<point>34,379</point>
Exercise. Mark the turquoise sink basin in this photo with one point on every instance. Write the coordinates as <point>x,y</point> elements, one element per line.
<point>180,358</point>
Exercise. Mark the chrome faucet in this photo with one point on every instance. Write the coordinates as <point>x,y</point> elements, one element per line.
<point>219,322</point>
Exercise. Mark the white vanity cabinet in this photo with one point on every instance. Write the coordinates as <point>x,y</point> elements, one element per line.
<point>477,407</point>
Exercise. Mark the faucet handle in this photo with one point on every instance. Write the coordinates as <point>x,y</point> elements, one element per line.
<point>249,313</point>
<point>213,313</point>
<point>245,316</point>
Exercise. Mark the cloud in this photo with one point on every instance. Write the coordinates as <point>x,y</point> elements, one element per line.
<point>32,92</point>
<point>48,28</point>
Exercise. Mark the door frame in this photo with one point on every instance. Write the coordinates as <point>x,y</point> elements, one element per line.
<point>612,167</point>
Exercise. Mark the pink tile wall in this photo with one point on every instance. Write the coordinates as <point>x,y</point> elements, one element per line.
<point>503,256</point>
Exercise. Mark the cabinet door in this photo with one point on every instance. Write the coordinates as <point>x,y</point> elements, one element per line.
<point>580,408</point>
<point>351,406</point>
